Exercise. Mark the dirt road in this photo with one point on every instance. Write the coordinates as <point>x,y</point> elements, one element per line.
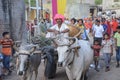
<point>114,74</point>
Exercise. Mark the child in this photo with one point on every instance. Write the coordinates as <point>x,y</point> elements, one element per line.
<point>117,44</point>
<point>6,43</point>
<point>1,66</point>
<point>96,47</point>
<point>107,50</point>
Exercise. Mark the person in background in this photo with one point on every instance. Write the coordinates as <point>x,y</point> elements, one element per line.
<point>90,36</point>
<point>73,22</point>
<point>86,23</point>
<point>109,29</point>
<point>117,44</point>
<point>98,31</point>
<point>66,21</point>
<point>82,33</point>
<point>105,26</point>
<point>114,25</point>
<point>96,47</point>
<point>90,22</point>
<point>107,50</point>
<point>7,44</point>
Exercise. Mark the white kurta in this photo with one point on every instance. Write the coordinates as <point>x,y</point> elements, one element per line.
<point>55,27</point>
<point>61,40</point>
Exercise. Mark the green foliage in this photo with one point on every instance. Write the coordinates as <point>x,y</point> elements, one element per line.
<point>41,41</point>
<point>33,2</point>
<point>98,2</point>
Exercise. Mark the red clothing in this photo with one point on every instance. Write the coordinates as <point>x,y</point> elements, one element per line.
<point>109,30</point>
<point>96,49</point>
<point>114,24</point>
<point>91,24</point>
<point>87,25</point>
<point>6,46</point>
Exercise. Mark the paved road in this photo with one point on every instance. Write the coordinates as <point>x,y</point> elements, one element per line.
<point>114,74</point>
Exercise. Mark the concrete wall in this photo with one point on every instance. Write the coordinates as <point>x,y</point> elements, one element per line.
<point>83,1</point>
<point>4,17</point>
<point>92,2</point>
<point>78,10</point>
<point>12,18</point>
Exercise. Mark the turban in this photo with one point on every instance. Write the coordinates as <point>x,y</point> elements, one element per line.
<point>59,16</point>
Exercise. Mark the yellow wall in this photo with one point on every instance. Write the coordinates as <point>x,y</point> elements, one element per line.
<point>61,5</point>
<point>32,14</point>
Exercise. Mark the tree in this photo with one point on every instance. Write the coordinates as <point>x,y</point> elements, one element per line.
<point>33,2</point>
<point>98,2</point>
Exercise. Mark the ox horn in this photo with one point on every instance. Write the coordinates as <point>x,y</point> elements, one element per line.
<point>16,48</point>
<point>33,49</point>
<point>16,45</point>
<point>71,38</point>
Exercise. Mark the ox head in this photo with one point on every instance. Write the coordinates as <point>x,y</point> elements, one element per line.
<point>64,52</point>
<point>23,55</point>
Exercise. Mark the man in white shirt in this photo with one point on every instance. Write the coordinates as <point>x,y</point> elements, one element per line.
<point>98,31</point>
<point>59,28</point>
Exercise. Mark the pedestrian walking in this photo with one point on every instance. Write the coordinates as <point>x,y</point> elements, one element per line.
<point>117,44</point>
<point>98,31</point>
<point>96,47</point>
<point>107,50</point>
<point>6,43</point>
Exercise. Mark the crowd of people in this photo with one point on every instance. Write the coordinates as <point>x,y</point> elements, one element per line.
<point>105,33</point>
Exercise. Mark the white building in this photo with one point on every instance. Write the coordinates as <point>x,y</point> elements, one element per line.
<point>80,8</point>
<point>112,5</point>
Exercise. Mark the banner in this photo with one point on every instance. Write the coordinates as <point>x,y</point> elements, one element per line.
<point>54,9</point>
<point>58,7</point>
<point>61,6</point>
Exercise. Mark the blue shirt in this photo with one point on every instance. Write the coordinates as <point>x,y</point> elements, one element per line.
<point>105,27</point>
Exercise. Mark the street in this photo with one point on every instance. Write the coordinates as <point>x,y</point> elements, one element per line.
<point>114,74</point>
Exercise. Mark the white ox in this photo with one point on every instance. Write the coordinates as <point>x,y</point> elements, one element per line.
<point>75,63</point>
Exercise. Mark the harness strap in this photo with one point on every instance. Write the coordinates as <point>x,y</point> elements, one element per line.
<point>76,50</point>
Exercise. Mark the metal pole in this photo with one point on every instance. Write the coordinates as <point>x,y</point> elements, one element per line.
<point>41,9</point>
<point>29,4</point>
<point>37,14</point>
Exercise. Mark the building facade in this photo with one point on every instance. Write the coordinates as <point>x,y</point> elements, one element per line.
<point>80,8</point>
<point>112,5</point>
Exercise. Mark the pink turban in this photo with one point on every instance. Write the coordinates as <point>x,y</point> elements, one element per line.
<point>59,16</point>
